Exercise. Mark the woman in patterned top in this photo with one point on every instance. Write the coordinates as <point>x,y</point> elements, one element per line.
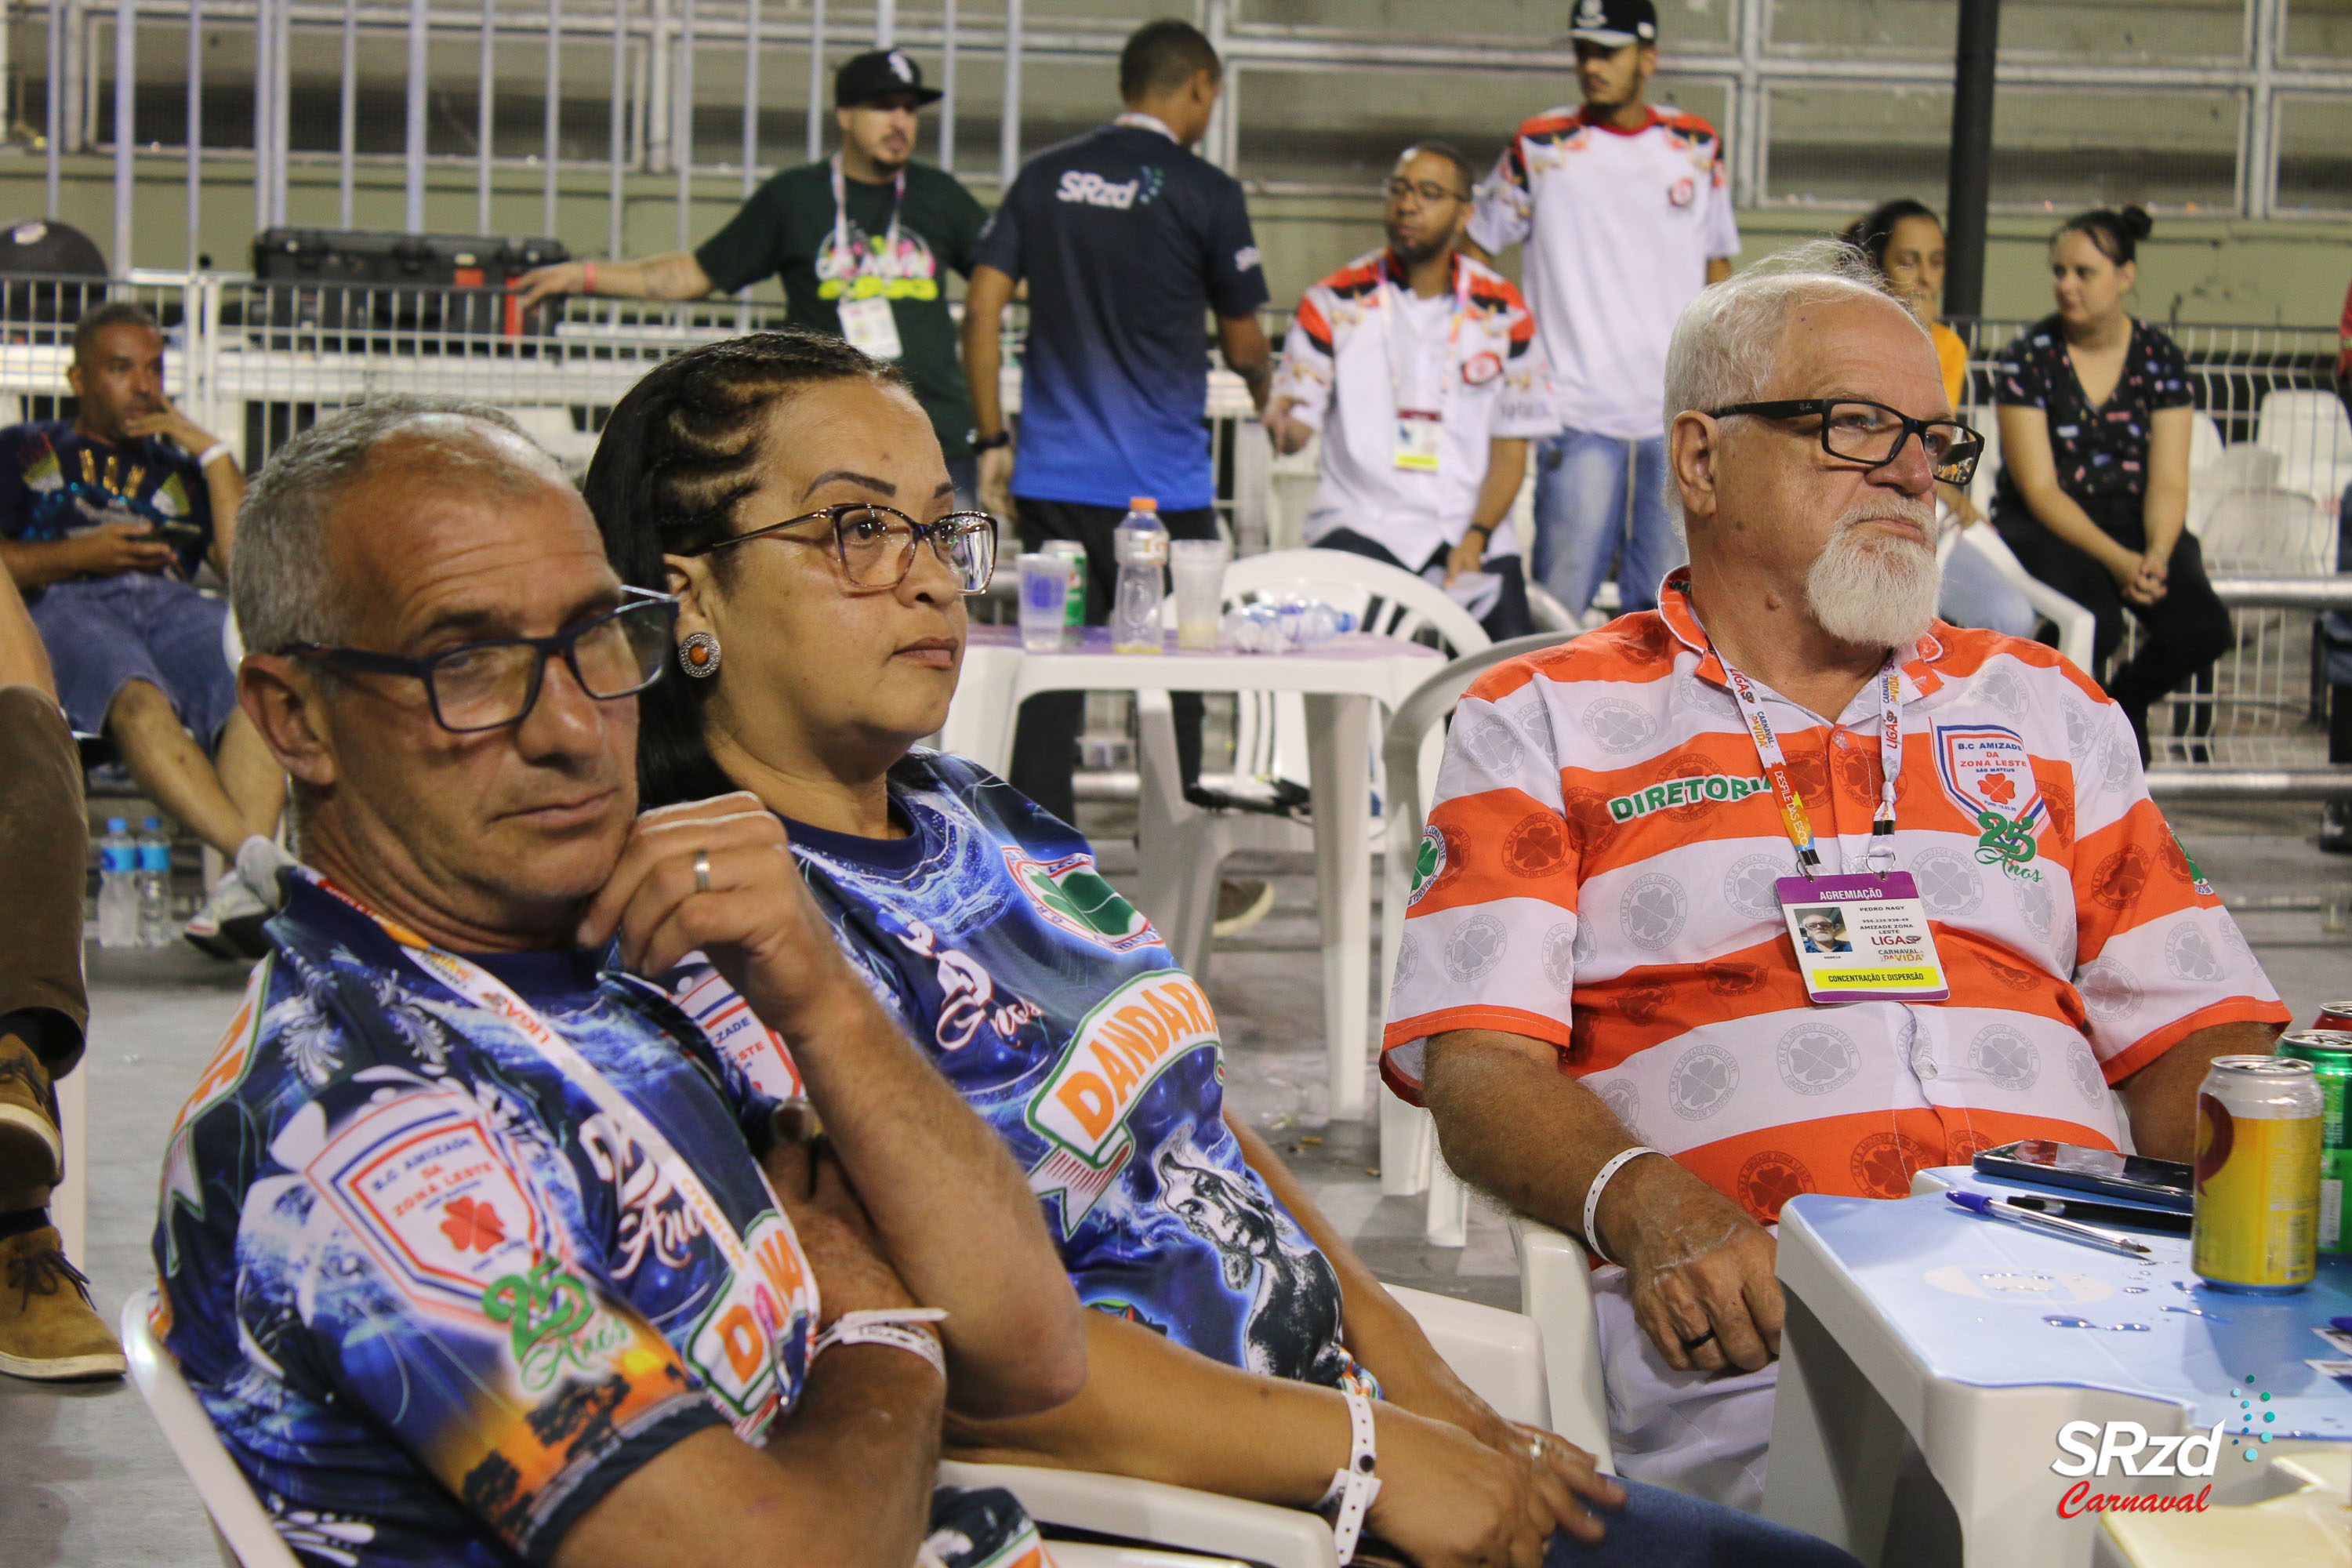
<point>778,483</point>
<point>2095,426</point>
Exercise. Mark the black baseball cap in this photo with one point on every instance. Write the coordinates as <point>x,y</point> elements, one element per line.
<point>880,73</point>
<point>1614,23</point>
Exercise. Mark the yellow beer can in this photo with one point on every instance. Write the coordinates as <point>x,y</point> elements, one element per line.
<point>2258,1144</point>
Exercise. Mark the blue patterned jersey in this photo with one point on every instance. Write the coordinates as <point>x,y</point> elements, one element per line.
<point>436,1302</point>
<point>1057,1012</point>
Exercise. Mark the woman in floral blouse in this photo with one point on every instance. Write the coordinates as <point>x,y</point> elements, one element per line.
<point>2094,496</point>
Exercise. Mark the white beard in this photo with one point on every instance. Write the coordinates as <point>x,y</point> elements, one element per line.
<point>1877,592</point>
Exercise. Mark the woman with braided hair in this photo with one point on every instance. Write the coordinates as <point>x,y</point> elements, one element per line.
<point>790,492</point>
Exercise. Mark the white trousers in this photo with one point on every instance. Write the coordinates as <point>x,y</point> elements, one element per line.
<point>1698,1433</point>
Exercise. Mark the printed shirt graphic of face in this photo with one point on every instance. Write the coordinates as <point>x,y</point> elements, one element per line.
<point>1058,1013</point>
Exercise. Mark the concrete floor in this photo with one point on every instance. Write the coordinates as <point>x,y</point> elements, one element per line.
<point>85,1477</point>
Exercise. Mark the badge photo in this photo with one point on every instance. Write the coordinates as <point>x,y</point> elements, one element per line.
<point>1862,938</point>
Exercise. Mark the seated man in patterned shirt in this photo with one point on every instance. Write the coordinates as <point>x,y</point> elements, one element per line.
<point>476,1252</point>
<point>1598,958</point>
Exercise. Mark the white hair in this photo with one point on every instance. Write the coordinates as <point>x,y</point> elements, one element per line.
<point>1727,339</point>
<point>278,581</point>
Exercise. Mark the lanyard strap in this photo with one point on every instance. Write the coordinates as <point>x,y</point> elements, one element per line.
<point>856,263</point>
<point>473,983</point>
<point>1881,853</point>
<point>1403,348</point>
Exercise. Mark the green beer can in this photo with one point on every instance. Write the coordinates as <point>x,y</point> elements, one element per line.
<point>2329,1052</point>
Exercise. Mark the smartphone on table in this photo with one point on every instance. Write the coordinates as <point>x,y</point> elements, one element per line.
<point>2132,1178</point>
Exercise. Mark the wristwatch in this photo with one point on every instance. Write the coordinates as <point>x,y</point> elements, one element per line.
<point>979,443</point>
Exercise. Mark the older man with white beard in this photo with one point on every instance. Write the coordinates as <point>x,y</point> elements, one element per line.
<point>1601,960</point>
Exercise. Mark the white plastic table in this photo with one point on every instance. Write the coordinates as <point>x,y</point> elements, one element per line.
<point>1341,679</point>
<point>1978,1340</point>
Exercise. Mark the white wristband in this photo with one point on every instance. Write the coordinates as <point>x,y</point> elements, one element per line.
<point>1616,1163</point>
<point>887,1328</point>
<point>218,449</point>
<point>1354,1488</point>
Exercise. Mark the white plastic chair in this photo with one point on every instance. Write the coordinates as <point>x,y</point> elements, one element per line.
<point>241,1527</point>
<point>2274,532</point>
<point>1506,1358</point>
<point>1409,756</point>
<point>2245,467</point>
<point>1179,845</point>
<point>1544,1370</point>
<point>2310,432</point>
<point>2077,627</point>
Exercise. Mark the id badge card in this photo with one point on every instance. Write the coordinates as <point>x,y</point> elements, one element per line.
<point>1863,938</point>
<point>1418,431</point>
<point>870,327</point>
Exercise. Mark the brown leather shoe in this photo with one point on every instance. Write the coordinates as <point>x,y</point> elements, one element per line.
<point>48,1330</point>
<point>30,1149</point>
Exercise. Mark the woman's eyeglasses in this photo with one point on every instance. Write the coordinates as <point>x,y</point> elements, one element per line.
<point>493,683</point>
<point>876,544</point>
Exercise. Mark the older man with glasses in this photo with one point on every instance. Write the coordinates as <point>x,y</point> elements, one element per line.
<point>1421,369</point>
<point>473,1246</point>
<point>1603,995</point>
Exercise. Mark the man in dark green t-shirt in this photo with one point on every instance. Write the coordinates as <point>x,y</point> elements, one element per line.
<point>863,243</point>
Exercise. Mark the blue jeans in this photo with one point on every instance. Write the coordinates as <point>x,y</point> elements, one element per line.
<point>1596,495</point>
<point>1659,1529</point>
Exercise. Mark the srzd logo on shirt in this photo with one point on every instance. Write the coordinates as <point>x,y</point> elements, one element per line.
<point>1072,896</point>
<point>1092,190</point>
<point>1117,1053</point>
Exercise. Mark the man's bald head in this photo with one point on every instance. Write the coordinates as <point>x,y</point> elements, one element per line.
<point>364,466</point>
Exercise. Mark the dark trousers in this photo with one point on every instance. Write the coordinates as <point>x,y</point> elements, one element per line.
<point>2183,633</point>
<point>1509,618</point>
<point>1045,737</point>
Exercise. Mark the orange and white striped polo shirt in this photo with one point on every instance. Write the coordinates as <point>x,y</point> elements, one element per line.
<point>1599,872</point>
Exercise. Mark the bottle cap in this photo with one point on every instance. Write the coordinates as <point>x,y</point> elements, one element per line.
<point>116,825</point>
<point>154,825</point>
<point>1143,503</point>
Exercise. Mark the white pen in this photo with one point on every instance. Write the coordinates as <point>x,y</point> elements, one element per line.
<point>1977,1203</point>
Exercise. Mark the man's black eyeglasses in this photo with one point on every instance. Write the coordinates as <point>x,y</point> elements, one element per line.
<point>1872,433</point>
<point>876,544</point>
<point>493,683</point>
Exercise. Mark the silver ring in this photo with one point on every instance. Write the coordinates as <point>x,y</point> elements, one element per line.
<point>1535,1448</point>
<point>702,870</point>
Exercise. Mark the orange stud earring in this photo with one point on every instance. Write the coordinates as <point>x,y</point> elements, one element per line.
<point>697,655</point>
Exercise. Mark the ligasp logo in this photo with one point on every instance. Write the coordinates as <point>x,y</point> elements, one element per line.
<point>1989,773</point>
<point>1072,895</point>
<point>1692,791</point>
<point>1117,1053</point>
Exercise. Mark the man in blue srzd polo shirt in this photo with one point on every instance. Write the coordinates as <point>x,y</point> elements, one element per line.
<point>1126,240</point>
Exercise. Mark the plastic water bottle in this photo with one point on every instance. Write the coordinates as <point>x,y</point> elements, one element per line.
<point>118,886</point>
<point>155,925</point>
<point>1141,546</point>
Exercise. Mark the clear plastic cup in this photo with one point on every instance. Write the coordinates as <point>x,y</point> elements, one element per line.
<point>1045,597</point>
<point>1198,565</point>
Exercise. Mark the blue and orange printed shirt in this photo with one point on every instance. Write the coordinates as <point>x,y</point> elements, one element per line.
<point>1057,1011</point>
<point>56,482</point>
<point>437,1303</point>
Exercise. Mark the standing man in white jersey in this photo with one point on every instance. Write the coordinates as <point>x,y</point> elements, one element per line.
<point>1625,210</point>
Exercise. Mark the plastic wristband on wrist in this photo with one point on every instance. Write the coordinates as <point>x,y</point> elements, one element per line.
<point>1354,1488</point>
<point>218,449</point>
<point>1617,1161</point>
<point>587,277</point>
<point>894,1328</point>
